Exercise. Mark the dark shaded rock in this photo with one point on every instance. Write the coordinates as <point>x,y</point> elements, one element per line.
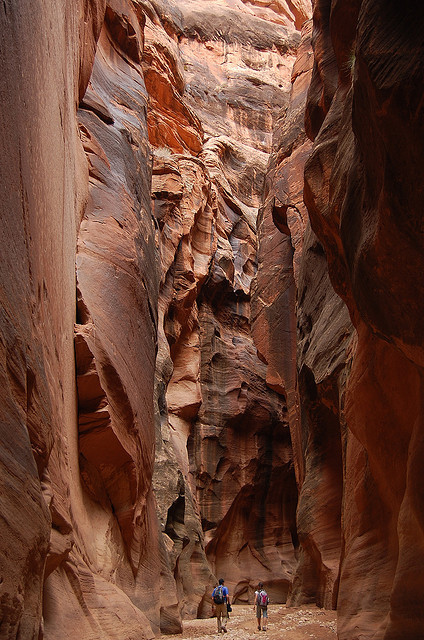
<point>364,203</point>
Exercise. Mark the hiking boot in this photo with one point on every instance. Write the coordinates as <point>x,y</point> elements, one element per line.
<point>259,628</point>
<point>224,630</point>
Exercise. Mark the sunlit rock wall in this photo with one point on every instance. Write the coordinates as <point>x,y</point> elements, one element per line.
<point>165,250</point>
<point>217,77</point>
<point>80,547</point>
<point>116,331</point>
<point>43,191</point>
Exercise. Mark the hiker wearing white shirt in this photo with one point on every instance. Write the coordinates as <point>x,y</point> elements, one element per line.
<point>261,605</point>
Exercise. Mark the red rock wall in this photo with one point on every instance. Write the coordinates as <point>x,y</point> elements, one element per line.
<point>362,200</point>
<point>117,279</point>
<point>215,94</point>
<point>173,350</point>
<point>304,346</point>
<point>43,191</point>
<point>353,390</point>
<point>163,351</point>
<point>77,505</point>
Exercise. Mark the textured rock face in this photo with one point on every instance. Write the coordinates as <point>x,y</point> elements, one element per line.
<point>172,348</point>
<point>116,331</point>
<point>281,228</point>
<point>225,75</point>
<point>353,395</point>
<point>169,278</point>
<point>305,361</point>
<point>367,147</point>
<point>43,188</point>
<point>82,480</point>
<point>324,337</point>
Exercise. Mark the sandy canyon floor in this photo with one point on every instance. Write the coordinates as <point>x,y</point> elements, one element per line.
<point>283,622</point>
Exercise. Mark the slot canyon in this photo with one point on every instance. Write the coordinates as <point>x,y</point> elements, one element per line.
<point>211,336</point>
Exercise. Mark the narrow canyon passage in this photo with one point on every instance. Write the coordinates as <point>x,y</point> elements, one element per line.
<point>211,303</point>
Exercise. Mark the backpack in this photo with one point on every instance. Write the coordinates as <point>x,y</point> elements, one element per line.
<point>218,596</point>
<point>263,599</point>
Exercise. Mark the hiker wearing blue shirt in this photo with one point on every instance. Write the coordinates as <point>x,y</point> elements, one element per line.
<point>220,598</point>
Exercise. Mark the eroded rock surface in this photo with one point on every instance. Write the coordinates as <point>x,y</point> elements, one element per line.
<point>117,277</point>
<point>254,370</point>
<point>356,507</point>
<point>43,188</point>
<point>367,147</point>
<point>302,328</point>
<point>165,250</point>
<point>226,75</point>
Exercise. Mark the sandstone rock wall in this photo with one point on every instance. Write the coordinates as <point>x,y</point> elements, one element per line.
<point>215,89</point>
<point>353,388</point>
<point>362,200</point>
<point>305,345</point>
<point>43,191</point>
<point>116,334</point>
<point>256,366</point>
<point>163,351</point>
<point>80,544</point>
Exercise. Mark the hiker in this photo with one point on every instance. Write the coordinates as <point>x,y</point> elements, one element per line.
<point>220,598</point>
<point>261,605</point>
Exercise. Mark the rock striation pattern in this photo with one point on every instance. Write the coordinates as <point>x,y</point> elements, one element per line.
<point>353,423</point>
<point>360,396</point>
<point>222,424</point>
<point>229,384</point>
<point>306,357</point>
<point>116,331</point>
<point>45,71</point>
<point>156,203</point>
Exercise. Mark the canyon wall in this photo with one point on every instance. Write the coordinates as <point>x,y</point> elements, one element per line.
<point>148,347</point>
<point>81,547</point>
<point>216,80</point>
<point>357,439</point>
<point>366,152</point>
<point>304,347</point>
<point>211,352</point>
<point>45,71</point>
<point>351,368</point>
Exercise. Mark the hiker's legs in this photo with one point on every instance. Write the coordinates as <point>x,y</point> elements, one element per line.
<point>220,611</point>
<point>265,619</point>
<point>224,617</point>
<point>258,616</point>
